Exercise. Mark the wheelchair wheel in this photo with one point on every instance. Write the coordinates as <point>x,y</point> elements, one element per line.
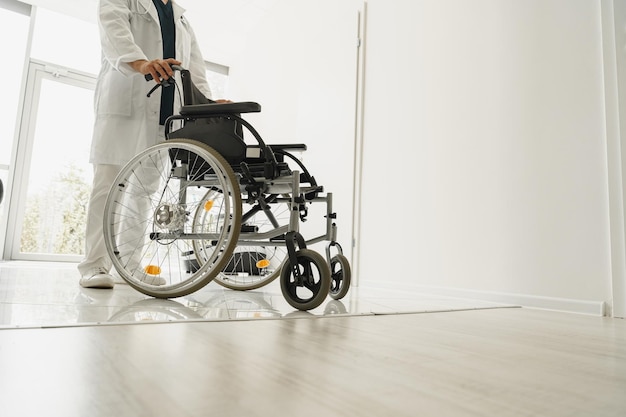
<point>254,265</point>
<point>148,226</point>
<point>311,289</point>
<point>340,275</point>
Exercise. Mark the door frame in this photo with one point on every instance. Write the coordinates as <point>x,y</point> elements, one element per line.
<point>18,175</point>
<point>615,99</point>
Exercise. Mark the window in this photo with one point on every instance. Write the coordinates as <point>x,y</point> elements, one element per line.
<point>217,75</point>
<point>66,41</point>
<point>14,25</point>
<point>54,178</point>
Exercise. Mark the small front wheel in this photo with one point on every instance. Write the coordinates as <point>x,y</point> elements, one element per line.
<point>310,289</point>
<point>340,275</point>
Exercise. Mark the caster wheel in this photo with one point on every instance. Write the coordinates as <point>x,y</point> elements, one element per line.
<point>311,289</point>
<point>340,275</point>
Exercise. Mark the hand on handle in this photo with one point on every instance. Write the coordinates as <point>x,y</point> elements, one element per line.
<point>157,69</point>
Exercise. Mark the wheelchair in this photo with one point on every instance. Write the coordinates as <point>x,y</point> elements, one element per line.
<point>205,205</point>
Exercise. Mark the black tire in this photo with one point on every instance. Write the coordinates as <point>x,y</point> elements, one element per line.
<point>340,277</point>
<point>316,281</point>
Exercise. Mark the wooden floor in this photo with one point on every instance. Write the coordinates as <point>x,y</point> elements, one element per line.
<point>493,362</point>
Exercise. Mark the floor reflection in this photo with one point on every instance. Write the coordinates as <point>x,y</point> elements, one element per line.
<point>48,295</point>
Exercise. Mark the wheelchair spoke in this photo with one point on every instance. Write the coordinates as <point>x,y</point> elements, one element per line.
<point>149,230</point>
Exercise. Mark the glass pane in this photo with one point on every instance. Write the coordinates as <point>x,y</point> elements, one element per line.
<point>60,175</point>
<point>218,83</point>
<point>66,41</point>
<point>13,26</point>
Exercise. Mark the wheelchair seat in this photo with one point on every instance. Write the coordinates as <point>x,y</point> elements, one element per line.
<point>210,123</point>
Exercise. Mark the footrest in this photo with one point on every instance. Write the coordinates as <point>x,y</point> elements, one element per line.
<point>316,189</point>
<point>280,238</point>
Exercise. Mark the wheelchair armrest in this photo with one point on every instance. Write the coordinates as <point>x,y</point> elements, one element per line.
<point>220,108</point>
<point>288,147</point>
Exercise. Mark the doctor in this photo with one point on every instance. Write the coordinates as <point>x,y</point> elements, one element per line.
<point>137,37</point>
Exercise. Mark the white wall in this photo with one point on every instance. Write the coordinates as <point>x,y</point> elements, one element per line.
<point>299,62</point>
<point>484,148</point>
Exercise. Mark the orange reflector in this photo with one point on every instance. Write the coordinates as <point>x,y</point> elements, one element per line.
<point>263,263</point>
<point>152,270</point>
<point>208,205</point>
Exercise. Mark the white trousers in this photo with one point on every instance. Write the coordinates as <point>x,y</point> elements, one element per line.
<point>96,255</point>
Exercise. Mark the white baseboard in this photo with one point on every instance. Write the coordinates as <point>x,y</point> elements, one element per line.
<point>594,308</point>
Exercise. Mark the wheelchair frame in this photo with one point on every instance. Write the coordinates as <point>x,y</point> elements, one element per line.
<point>174,218</point>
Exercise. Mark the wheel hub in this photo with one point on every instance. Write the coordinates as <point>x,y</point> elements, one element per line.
<point>170,217</point>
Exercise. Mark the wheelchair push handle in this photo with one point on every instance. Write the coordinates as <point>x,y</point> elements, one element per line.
<point>149,77</point>
<point>163,83</point>
<point>188,87</point>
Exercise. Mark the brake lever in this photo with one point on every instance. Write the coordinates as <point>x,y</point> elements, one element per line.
<point>164,83</point>
<point>153,90</point>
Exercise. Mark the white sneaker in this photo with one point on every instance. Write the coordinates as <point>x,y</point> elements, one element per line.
<point>98,278</point>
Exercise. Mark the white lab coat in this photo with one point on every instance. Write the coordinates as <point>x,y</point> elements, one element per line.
<point>126,121</point>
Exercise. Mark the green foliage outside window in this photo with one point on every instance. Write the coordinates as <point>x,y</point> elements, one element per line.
<point>54,220</point>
